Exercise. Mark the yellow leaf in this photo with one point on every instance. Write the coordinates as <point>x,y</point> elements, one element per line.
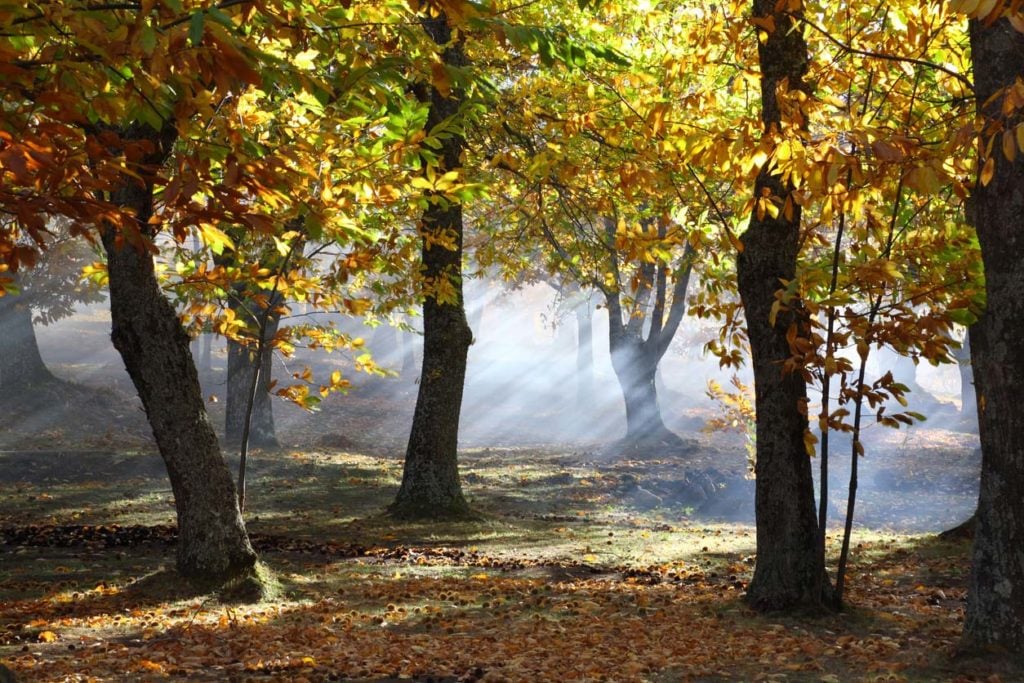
<point>1009,146</point>
<point>47,637</point>
<point>215,238</point>
<point>1020,136</point>
<point>963,6</point>
<point>736,244</point>
<point>809,442</point>
<point>308,661</point>
<point>773,314</point>
<point>988,170</point>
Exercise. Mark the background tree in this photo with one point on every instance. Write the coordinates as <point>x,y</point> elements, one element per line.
<point>21,365</point>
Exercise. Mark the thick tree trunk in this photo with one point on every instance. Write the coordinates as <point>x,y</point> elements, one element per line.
<point>584,355</point>
<point>430,482</point>
<point>995,600</point>
<point>790,571</point>
<point>241,366</point>
<point>21,365</point>
<point>212,543</point>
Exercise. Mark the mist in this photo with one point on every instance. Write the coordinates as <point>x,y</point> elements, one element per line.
<point>524,392</point>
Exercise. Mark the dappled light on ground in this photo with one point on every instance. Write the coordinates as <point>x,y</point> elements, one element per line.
<point>422,613</point>
<point>580,569</point>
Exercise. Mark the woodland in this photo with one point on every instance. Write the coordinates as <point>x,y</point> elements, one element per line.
<point>306,235</point>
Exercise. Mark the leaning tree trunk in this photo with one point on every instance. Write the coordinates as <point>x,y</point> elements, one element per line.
<point>995,596</point>
<point>430,481</point>
<point>789,570</point>
<point>241,366</point>
<point>212,543</point>
<point>21,365</point>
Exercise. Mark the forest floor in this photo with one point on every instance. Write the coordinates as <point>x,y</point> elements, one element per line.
<point>589,562</point>
<point>584,566</point>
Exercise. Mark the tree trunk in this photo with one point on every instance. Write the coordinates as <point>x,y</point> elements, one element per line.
<point>21,365</point>
<point>584,355</point>
<point>241,366</point>
<point>789,571</point>
<point>634,358</point>
<point>408,342</point>
<point>430,481</point>
<point>205,360</point>
<point>994,618</point>
<point>635,367</point>
<point>212,543</point>
<point>968,398</point>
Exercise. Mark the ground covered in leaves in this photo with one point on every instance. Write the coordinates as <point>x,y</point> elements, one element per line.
<point>584,566</point>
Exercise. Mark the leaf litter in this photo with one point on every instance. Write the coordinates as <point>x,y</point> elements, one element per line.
<point>566,578</point>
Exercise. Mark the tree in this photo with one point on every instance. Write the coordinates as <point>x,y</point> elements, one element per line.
<point>213,547</point>
<point>430,479</point>
<point>21,365</point>
<point>46,293</point>
<point>610,229</point>
<point>242,367</point>
<point>995,604</point>
<point>789,572</point>
<point>635,357</point>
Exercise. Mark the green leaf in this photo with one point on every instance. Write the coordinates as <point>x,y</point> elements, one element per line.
<point>195,28</point>
<point>962,316</point>
<point>147,39</point>
<point>221,18</point>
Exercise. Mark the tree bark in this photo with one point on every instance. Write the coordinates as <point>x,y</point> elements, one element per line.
<point>212,543</point>
<point>430,481</point>
<point>994,618</point>
<point>241,366</point>
<point>21,364</point>
<point>789,572</point>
